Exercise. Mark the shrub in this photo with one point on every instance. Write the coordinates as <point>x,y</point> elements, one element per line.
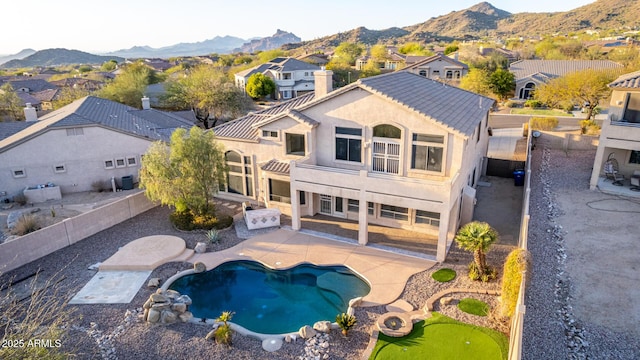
<point>20,199</point>
<point>346,322</point>
<point>517,261</point>
<point>510,104</point>
<point>589,127</point>
<point>533,103</point>
<point>224,334</point>
<point>475,274</point>
<point>186,220</point>
<point>26,224</point>
<point>543,123</point>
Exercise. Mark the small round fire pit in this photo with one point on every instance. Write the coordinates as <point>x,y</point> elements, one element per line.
<point>395,324</point>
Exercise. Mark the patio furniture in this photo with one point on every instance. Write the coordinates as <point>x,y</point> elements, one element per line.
<point>611,170</point>
<point>635,180</point>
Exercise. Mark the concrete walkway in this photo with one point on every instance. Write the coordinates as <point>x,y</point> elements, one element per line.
<point>386,272</point>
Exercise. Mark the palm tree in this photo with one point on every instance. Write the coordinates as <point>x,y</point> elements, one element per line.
<point>477,237</point>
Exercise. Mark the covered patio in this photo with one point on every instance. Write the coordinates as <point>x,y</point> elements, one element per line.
<point>421,244</point>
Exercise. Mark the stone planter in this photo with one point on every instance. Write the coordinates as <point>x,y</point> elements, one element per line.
<point>395,324</point>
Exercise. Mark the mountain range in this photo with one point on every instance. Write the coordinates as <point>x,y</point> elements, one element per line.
<point>482,20</point>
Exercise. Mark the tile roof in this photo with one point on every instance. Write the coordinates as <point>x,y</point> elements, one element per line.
<point>9,128</point>
<point>627,81</point>
<point>27,98</point>
<point>436,57</point>
<point>34,85</point>
<point>46,95</point>
<point>556,68</point>
<point>276,166</point>
<point>279,65</point>
<point>243,128</point>
<point>90,110</point>
<point>458,110</point>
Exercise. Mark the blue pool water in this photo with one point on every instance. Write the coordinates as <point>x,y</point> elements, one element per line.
<point>270,301</point>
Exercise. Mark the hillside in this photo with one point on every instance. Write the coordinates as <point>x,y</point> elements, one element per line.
<point>218,44</point>
<point>58,57</point>
<point>274,41</point>
<point>21,55</point>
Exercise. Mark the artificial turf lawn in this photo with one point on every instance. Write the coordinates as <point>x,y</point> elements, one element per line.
<point>444,275</point>
<point>473,306</point>
<point>441,337</point>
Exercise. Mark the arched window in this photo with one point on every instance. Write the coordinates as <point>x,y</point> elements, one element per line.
<point>527,91</point>
<point>386,149</point>
<point>240,177</point>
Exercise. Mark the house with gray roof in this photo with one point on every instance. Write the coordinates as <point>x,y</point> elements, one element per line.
<point>397,150</point>
<point>293,77</point>
<point>90,140</point>
<point>619,141</point>
<point>532,73</point>
<point>440,67</point>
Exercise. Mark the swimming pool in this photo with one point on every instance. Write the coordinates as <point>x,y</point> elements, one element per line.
<point>268,301</point>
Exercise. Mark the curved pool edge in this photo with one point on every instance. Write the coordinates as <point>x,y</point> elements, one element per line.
<point>244,331</point>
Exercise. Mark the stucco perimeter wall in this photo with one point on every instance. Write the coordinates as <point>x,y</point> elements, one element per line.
<point>35,245</point>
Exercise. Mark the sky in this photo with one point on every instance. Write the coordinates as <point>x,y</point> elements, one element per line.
<point>103,26</point>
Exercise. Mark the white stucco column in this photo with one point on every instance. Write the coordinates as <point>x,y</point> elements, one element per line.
<point>443,232</point>
<point>363,226</point>
<point>295,199</point>
<point>597,166</point>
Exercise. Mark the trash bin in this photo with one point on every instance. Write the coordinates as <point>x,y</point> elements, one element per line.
<point>518,177</point>
<point>127,182</point>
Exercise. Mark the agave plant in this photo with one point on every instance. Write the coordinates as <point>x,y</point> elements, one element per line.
<point>213,235</point>
<point>346,322</point>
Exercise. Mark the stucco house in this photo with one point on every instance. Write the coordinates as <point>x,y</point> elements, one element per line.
<point>532,73</point>
<point>440,67</point>
<point>398,150</point>
<point>620,135</point>
<point>293,77</point>
<point>89,140</point>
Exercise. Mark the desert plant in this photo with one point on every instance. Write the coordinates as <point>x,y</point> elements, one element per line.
<point>543,123</point>
<point>477,237</point>
<point>533,103</point>
<point>26,224</point>
<point>53,212</point>
<point>518,262</point>
<point>224,334</point>
<point>43,315</point>
<point>346,322</point>
<point>213,236</point>
<point>510,104</point>
<point>589,127</point>
<point>20,199</point>
<point>476,274</point>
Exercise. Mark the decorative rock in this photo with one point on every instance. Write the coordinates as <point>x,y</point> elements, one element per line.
<point>172,294</point>
<point>153,316</point>
<point>153,282</point>
<point>200,248</point>
<point>272,344</point>
<point>447,300</point>
<point>199,267</point>
<point>186,316</point>
<point>307,332</point>
<point>145,315</point>
<point>287,338</point>
<point>168,317</point>
<point>185,299</point>
<point>322,326</point>
<point>147,304</point>
<point>179,307</point>
<point>157,298</point>
<point>211,335</point>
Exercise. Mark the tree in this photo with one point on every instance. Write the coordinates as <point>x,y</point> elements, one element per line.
<point>585,87</point>
<point>379,53</point>
<point>187,173</point>
<point>348,52</point>
<point>209,93</point>
<point>128,87</point>
<point>502,83</point>
<point>260,85</point>
<point>477,237</point>
<point>10,102</point>
<point>109,65</point>
<point>68,94</point>
<point>414,48</point>
<point>451,49</point>
<point>477,81</point>
<point>371,68</point>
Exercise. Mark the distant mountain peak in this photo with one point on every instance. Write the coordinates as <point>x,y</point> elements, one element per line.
<point>274,41</point>
<point>488,9</point>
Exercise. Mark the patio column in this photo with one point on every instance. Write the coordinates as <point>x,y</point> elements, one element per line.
<point>443,232</point>
<point>295,209</point>
<point>363,225</point>
<point>597,167</point>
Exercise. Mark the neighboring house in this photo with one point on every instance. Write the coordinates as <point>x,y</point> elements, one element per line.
<point>79,83</point>
<point>511,56</point>
<point>394,61</point>
<point>46,98</point>
<point>398,150</point>
<point>27,98</point>
<point>292,76</point>
<point>620,135</point>
<point>439,67</point>
<point>89,140</point>
<point>532,73</point>
<point>30,85</point>
<point>159,65</point>
<point>315,59</point>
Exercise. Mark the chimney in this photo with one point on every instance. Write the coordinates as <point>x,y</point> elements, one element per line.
<point>30,113</point>
<point>146,105</point>
<point>323,82</point>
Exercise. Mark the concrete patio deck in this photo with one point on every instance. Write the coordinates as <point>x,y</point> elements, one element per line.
<point>386,272</point>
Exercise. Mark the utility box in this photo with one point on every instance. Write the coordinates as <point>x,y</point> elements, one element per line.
<point>127,182</point>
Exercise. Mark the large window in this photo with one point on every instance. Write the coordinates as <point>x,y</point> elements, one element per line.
<point>280,191</point>
<point>349,144</point>
<point>295,144</point>
<point>634,158</point>
<point>239,178</point>
<point>632,110</point>
<point>427,217</point>
<point>427,151</point>
<point>394,212</point>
